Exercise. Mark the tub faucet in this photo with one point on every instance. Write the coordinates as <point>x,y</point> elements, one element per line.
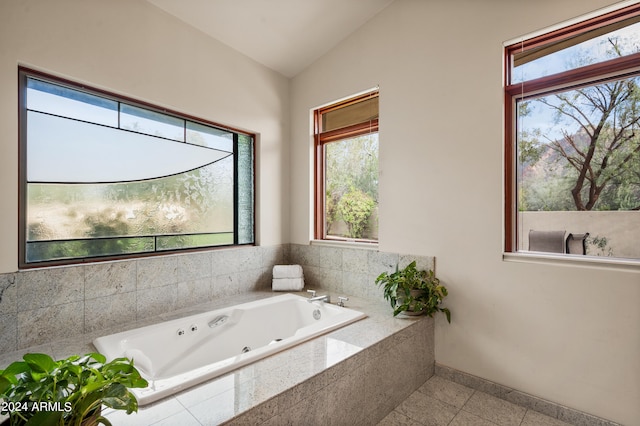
<point>324,298</point>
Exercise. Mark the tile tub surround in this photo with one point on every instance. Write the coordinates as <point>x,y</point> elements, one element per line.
<point>349,270</point>
<point>38,306</point>
<point>62,302</point>
<point>354,375</point>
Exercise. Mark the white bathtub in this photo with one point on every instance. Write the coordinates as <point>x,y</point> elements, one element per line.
<point>176,354</point>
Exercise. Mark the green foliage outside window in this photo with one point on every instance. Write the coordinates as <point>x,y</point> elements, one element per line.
<point>355,208</point>
<point>352,187</point>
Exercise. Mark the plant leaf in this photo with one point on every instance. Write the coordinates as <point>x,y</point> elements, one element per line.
<point>117,396</point>
<point>45,418</point>
<point>447,314</point>
<point>41,363</point>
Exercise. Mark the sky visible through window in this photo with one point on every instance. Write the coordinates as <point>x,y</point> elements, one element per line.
<point>541,118</point>
<point>597,49</point>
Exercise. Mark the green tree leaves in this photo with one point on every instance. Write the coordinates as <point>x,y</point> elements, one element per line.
<point>351,186</point>
<point>355,207</point>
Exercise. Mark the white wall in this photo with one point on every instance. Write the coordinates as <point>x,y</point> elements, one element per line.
<point>133,48</point>
<point>566,333</point>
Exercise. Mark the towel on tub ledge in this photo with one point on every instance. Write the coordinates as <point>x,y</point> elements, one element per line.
<point>287,278</point>
<point>287,284</point>
<point>287,271</point>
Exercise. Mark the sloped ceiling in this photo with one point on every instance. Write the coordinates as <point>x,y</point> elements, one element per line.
<point>284,35</point>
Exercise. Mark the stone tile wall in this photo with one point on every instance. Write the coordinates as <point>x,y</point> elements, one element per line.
<point>360,390</point>
<point>42,305</point>
<point>349,270</point>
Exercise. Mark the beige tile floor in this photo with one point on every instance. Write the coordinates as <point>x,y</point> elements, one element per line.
<point>440,402</point>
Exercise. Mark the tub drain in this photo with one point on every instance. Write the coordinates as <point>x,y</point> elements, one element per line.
<point>246,349</point>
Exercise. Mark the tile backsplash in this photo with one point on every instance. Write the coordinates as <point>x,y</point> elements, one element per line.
<point>43,305</point>
<point>349,270</point>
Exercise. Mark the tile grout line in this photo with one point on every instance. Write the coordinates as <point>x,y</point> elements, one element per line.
<point>461,407</point>
<point>186,409</point>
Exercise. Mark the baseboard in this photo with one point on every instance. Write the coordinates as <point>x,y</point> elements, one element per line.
<point>531,402</point>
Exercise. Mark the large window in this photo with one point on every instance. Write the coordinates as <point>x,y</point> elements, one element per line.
<point>104,177</point>
<point>573,139</point>
<point>346,166</point>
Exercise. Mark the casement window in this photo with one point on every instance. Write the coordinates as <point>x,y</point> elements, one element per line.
<point>572,151</point>
<point>105,177</point>
<point>346,169</point>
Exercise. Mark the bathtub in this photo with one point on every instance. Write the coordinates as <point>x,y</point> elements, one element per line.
<point>176,354</point>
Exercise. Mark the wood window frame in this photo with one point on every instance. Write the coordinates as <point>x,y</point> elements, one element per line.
<point>23,74</point>
<point>322,138</point>
<point>575,78</point>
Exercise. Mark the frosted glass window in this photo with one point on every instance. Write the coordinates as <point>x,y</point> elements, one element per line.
<point>66,102</point>
<point>245,190</point>
<point>142,120</point>
<point>96,188</point>
<point>64,150</point>
<point>210,137</point>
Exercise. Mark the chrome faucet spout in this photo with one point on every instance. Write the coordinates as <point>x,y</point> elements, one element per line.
<point>324,298</point>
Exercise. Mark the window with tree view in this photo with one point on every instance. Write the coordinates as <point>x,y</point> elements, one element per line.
<point>573,139</point>
<point>104,177</point>
<point>346,157</point>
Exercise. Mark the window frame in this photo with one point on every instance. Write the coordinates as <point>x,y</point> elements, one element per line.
<point>321,138</point>
<point>589,75</point>
<point>612,69</point>
<point>24,73</point>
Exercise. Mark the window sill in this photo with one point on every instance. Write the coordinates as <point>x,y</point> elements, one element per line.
<point>574,260</point>
<point>345,244</point>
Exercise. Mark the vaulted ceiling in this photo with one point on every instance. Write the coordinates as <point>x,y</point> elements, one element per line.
<point>284,35</point>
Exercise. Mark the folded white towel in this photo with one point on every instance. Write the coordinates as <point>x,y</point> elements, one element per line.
<point>287,271</point>
<point>287,284</point>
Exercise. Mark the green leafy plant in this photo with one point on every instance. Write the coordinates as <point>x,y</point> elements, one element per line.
<point>40,391</point>
<point>355,207</point>
<point>598,246</point>
<point>413,290</point>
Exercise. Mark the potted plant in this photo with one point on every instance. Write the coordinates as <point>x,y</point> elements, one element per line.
<point>413,292</point>
<point>40,391</point>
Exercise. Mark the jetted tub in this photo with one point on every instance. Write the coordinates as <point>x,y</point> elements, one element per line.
<point>176,354</point>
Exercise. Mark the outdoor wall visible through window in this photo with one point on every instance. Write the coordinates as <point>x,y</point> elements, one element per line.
<point>573,139</point>
<point>346,155</point>
<point>107,177</point>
